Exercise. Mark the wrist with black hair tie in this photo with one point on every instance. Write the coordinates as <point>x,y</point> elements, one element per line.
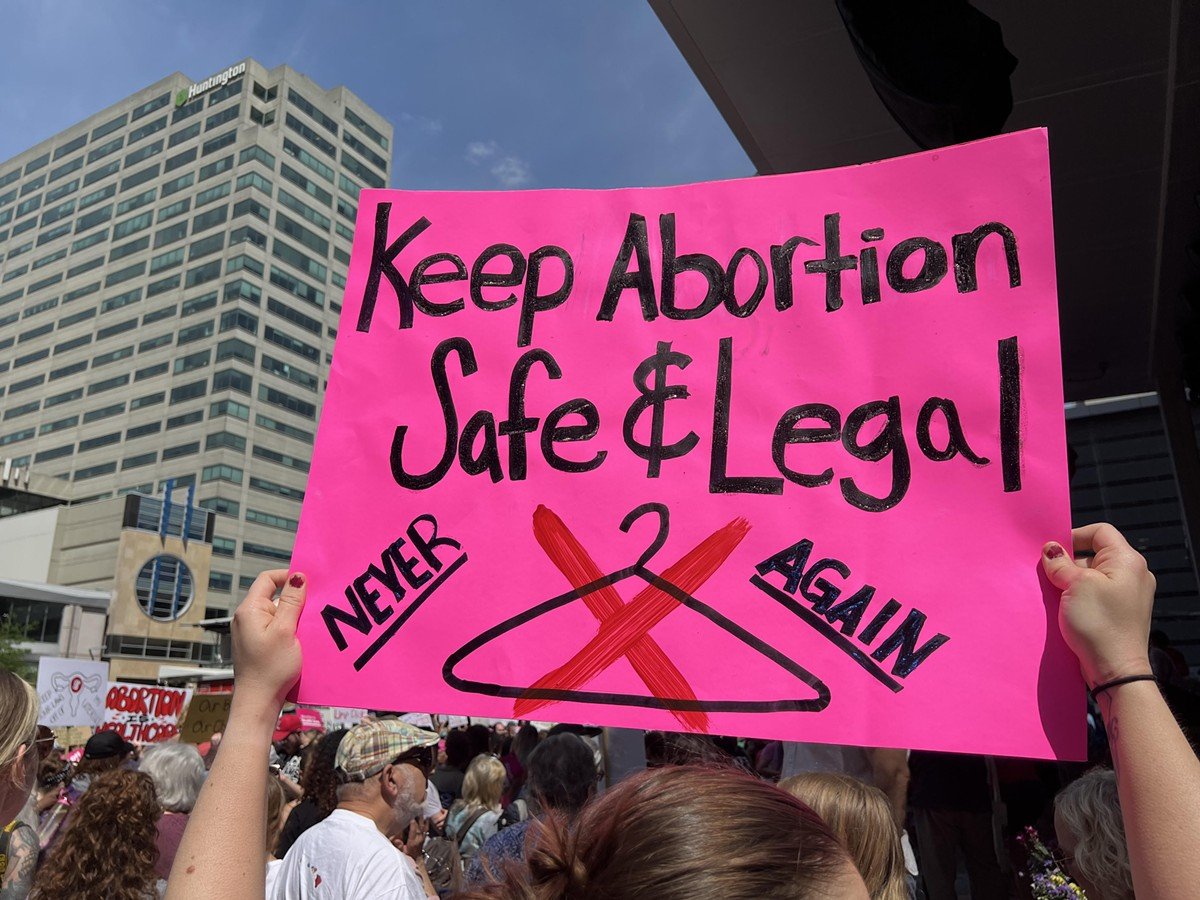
<point>1117,682</point>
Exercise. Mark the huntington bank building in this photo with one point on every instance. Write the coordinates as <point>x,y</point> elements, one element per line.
<point>171,271</point>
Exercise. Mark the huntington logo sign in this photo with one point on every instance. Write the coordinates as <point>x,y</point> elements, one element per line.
<point>200,87</point>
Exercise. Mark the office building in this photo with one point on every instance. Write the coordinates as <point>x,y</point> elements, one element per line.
<point>171,271</point>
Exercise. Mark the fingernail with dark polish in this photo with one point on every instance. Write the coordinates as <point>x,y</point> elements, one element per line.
<point>1054,551</point>
<point>297,580</point>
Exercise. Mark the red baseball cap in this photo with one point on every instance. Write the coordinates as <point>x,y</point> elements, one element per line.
<point>299,720</point>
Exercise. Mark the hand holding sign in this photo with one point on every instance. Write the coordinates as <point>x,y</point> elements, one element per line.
<point>265,648</point>
<point>1106,602</point>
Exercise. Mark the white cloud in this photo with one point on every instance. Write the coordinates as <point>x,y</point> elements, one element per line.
<point>481,151</point>
<point>421,123</point>
<point>509,171</point>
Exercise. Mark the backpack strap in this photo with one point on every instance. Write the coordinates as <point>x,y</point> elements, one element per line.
<point>462,832</point>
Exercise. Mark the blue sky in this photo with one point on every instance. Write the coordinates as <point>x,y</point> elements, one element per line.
<point>482,94</point>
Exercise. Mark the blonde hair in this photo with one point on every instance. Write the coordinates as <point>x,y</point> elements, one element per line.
<point>484,783</point>
<point>19,710</point>
<point>860,817</point>
<point>276,803</point>
<point>1091,808</point>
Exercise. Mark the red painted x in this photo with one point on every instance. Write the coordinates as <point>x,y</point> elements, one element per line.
<point>624,627</point>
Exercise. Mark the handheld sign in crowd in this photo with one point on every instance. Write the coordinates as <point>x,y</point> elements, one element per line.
<point>143,713</point>
<point>771,457</point>
<point>206,714</point>
<point>71,691</point>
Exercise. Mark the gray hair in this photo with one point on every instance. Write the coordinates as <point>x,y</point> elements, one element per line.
<point>1090,807</point>
<point>178,773</point>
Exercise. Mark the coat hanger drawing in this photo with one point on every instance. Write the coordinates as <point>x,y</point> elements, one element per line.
<point>624,628</point>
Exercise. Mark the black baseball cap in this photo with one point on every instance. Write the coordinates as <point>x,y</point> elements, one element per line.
<point>106,744</point>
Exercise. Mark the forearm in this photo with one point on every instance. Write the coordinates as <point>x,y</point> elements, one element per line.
<point>221,854</point>
<point>430,890</point>
<point>1158,781</point>
<point>22,865</point>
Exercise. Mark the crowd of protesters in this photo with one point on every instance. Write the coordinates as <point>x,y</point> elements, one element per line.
<point>277,807</point>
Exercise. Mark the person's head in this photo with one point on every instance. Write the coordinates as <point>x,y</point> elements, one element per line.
<point>18,747</point>
<point>382,769</point>
<point>479,737</point>
<point>319,781</point>
<point>276,803</point>
<point>53,773</point>
<point>524,742</point>
<point>681,832</point>
<point>458,750</point>
<point>859,816</point>
<point>1158,638</point>
<point>484,783</point>
<point>562,773</point>
<point>178,773</point>
<point>109,850</point>
<point>103,752</point>
<point>1087,822</point>
<point>286,737</point>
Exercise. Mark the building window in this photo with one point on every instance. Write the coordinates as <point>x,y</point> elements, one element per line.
<point>290,343</point>
<point>141,459</point>
<point>189,391</point>
<point>309,187</point>
<point>220,439</point>
<point>216,168</point>
<point>178,184</point>
<point>286,401</point>
<point>147,174</point>
<point>164,588</point>
<point>95,471</point>
<point>232,379</point>
<point>319,117</point>
<point>229,408</point>
<point>279,490</point>
<point>232,348</point>
<point>304,291</point>
<point>183,134</point>
<point>179,207</point>
<point>361,170</point>
<point>257,154</point>
<point>307,323</point>
<point>143,153</point>
<point>35,620</point>
<point>213,193</point>
<point>302,156</point>
<point>221,473</point>
<point>221,505</point>
<point>284,428</point>
<point>192,361</point>
<point>209,219</point>
<point>180,421</point>
<point>148,129</point>
<point>181,450</point>
<point>275,553</point>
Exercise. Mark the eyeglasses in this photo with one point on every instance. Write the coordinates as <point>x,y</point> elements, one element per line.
<point>44,745</point>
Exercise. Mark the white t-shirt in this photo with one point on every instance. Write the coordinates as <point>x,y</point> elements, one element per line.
<point>345,857</point>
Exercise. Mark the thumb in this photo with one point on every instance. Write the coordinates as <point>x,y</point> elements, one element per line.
<point>1059,566</point>
<point>291,600</point>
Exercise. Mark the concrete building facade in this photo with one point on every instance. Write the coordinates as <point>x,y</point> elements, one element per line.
<point>171,271</point>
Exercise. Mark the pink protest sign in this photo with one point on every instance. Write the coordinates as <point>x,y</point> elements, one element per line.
<point>770,457</point>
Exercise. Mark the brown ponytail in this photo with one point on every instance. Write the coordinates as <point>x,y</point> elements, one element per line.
<point>678,833</point>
